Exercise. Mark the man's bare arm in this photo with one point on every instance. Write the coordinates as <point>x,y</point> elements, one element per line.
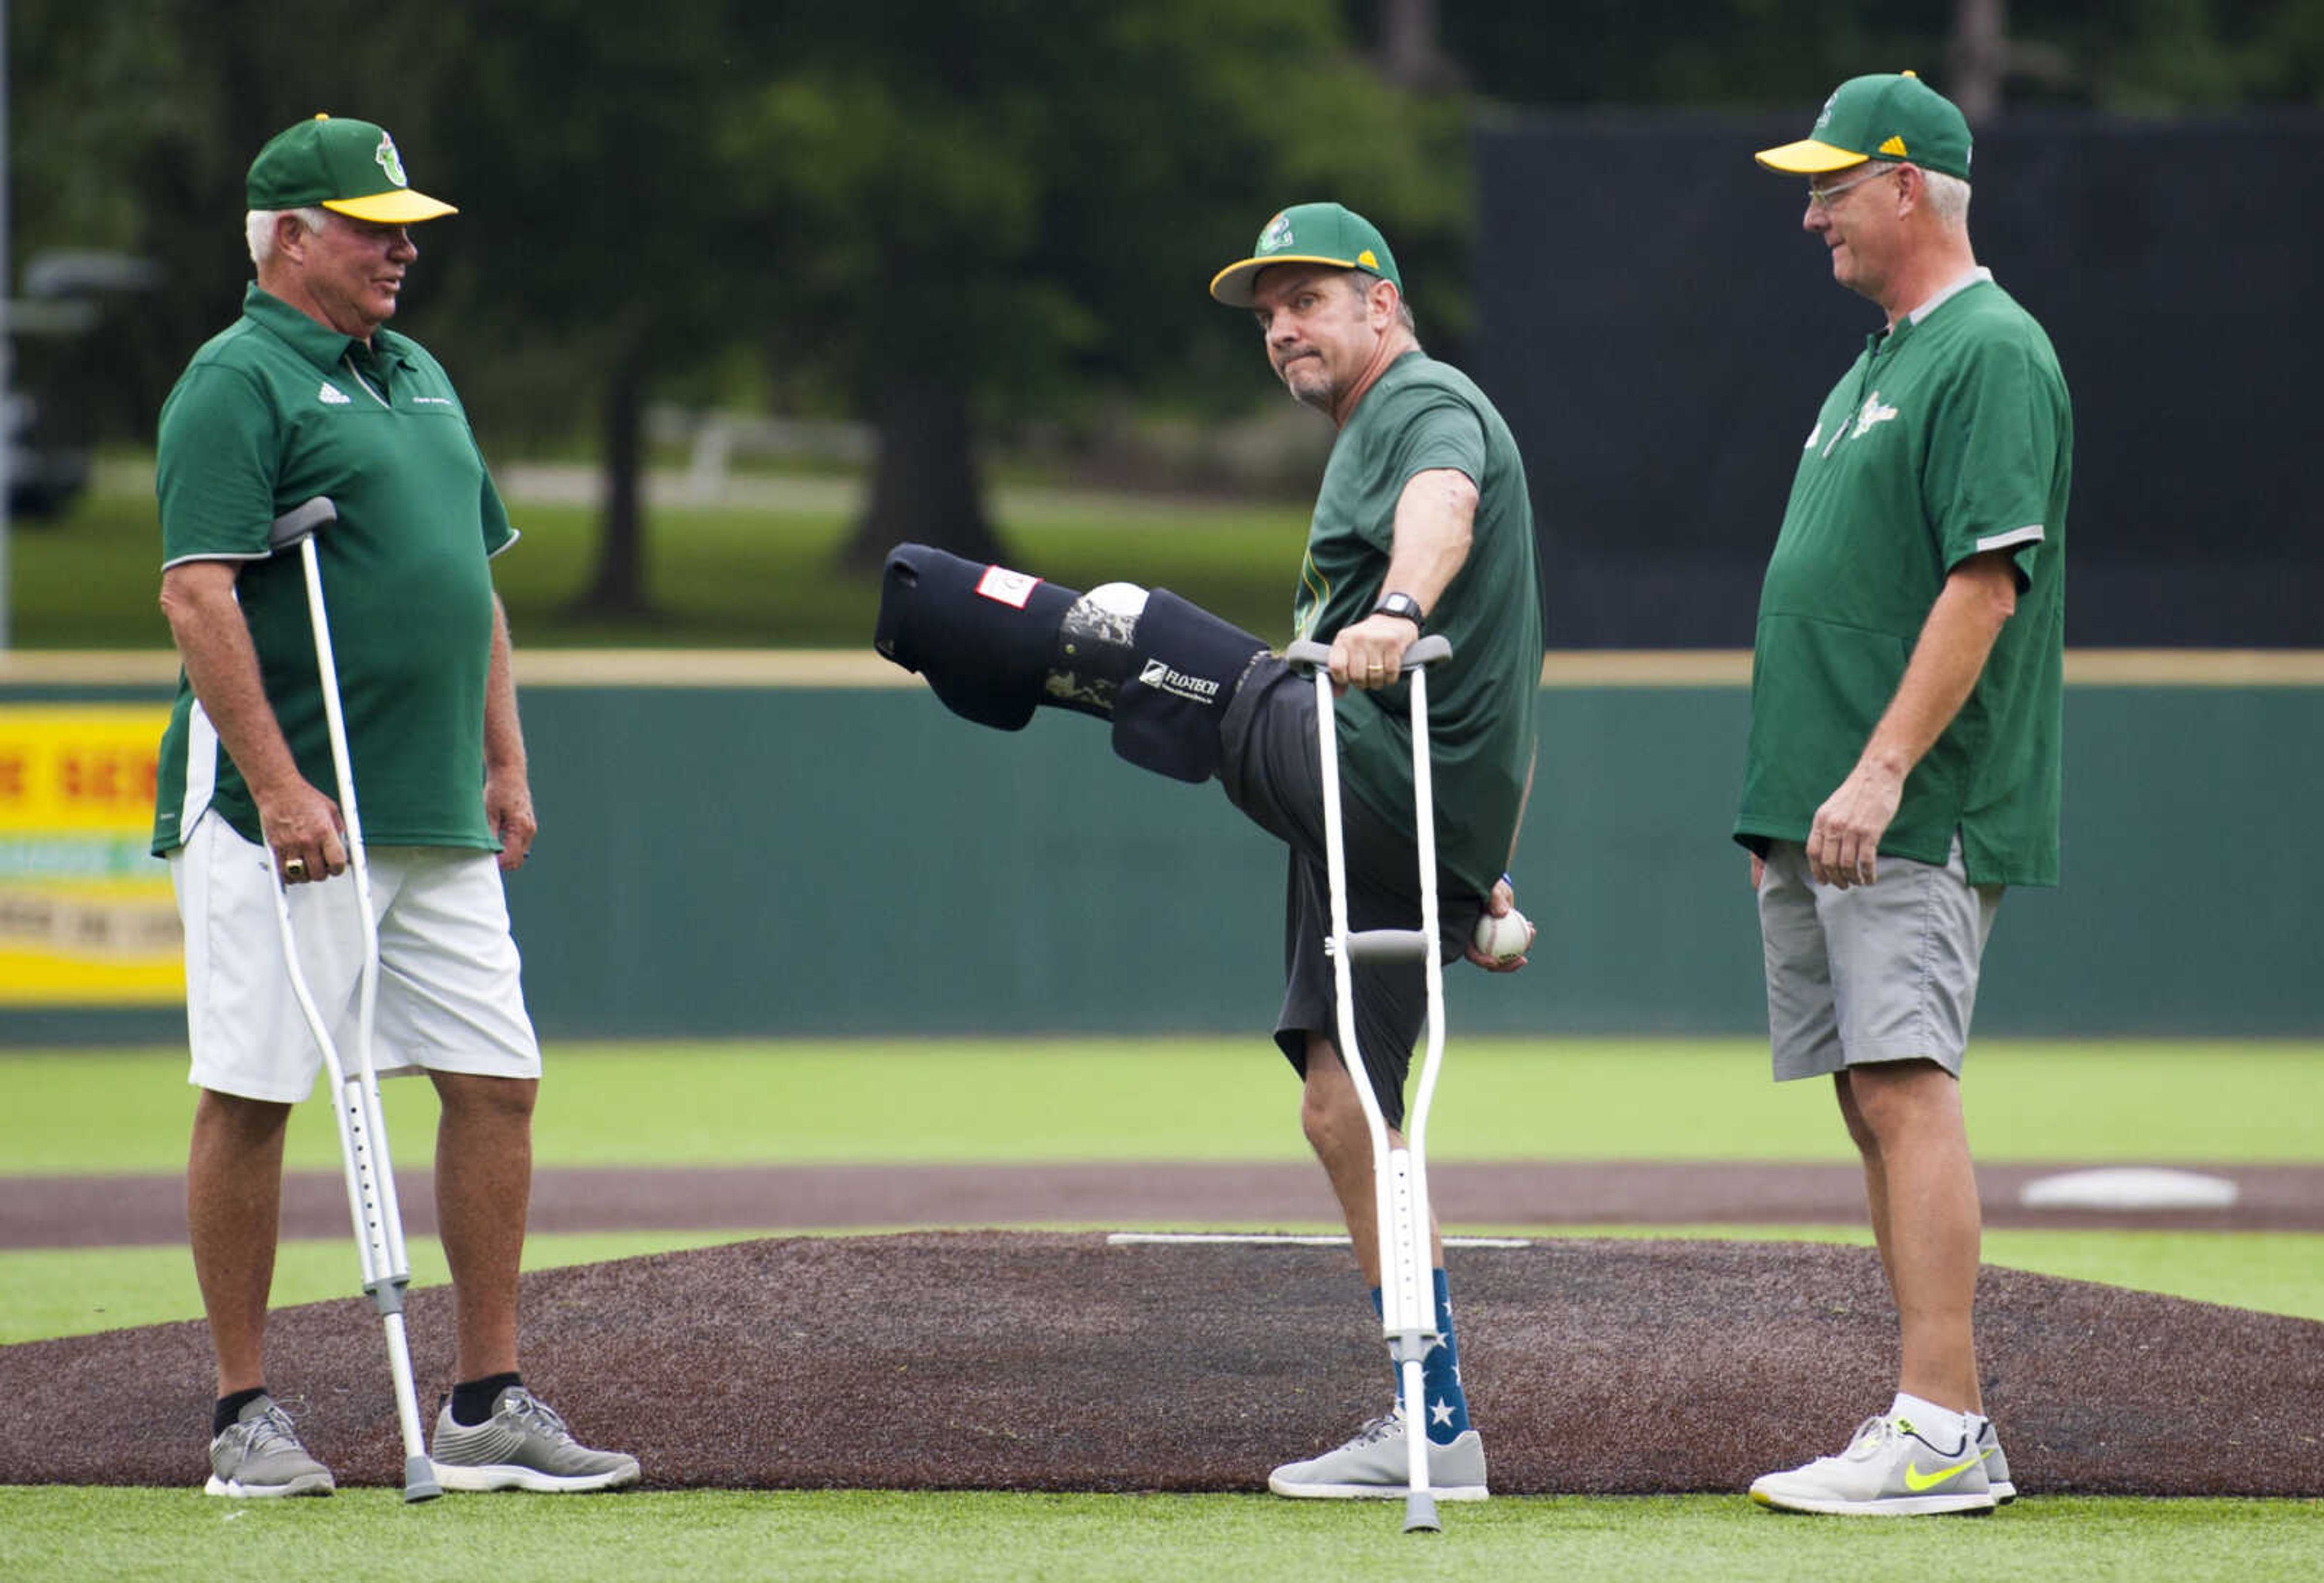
<point>297,819</point>
<point>1435,519</point>
<point>508,788</point>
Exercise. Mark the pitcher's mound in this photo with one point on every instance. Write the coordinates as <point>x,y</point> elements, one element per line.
<point>1064,1362</point>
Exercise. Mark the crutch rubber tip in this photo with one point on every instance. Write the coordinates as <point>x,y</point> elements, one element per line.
<point>1420,1514</point>
<point>419,1480</point>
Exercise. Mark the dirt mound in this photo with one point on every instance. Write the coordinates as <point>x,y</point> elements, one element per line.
<point>998,1360</point>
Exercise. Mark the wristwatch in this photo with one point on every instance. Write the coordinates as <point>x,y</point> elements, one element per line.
<point>1402,605</point>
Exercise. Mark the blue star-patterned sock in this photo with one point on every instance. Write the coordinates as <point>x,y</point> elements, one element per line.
<point>1440,1372</point>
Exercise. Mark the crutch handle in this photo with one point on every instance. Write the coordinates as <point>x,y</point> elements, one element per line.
<point>301,522</point>
<point>1424,651</point>
<point>1388,945</point>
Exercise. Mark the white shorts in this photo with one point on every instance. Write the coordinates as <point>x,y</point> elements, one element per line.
<point>1885,972</point>
<point>450,996</point>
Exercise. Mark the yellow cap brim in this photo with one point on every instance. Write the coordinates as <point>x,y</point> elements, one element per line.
<point>1808,157</point>
<point>397,206</point>
<point>1232,285</point>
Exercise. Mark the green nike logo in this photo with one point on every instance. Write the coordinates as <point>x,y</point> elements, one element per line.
<point>1916,1481</point>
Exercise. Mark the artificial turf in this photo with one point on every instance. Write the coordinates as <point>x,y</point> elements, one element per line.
<point>940,1538</point>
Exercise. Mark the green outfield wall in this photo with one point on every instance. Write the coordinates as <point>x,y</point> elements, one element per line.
<point>736,844</point>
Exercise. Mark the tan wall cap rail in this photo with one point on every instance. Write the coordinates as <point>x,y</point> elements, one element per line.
<point>853,669</point>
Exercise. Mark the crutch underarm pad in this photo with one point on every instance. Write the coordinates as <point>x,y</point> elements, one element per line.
<point>980,634</point>
<point>1166,716</point>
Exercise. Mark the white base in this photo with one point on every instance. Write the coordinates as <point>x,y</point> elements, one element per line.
<point>2129,1187</point>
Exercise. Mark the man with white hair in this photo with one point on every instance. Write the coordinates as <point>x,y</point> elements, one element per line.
<point>1904,760</point>
<point>307,394</point>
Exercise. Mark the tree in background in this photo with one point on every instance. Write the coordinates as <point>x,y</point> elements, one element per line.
<point>968,213</point>
<point>578,138</point>
<point>603,244</point>
<point>944,218</point>
<point>131,124</point>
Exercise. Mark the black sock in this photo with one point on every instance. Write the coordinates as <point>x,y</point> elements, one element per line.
<point>471,1400</point>
<point>229,1409</point>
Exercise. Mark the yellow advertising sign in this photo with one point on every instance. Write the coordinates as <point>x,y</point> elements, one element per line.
<point>86,916</point>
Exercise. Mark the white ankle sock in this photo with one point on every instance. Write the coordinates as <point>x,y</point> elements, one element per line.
<point>1940,1426</point>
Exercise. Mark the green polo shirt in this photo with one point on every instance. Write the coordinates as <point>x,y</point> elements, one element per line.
<point>1951,436</point>
<point>1421,414</point>
<point>270,413</point>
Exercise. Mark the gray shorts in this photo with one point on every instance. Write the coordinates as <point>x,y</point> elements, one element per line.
<point>1886,971</point>
<point>1270,770</point>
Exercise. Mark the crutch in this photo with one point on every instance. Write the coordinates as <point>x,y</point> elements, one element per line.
<point>363,1129</point>
<point>1399,1175</point>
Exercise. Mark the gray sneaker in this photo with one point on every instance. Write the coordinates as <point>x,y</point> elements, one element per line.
<point>1375,1466</point>
<point>259,1455</point>
<point>523,1445</point>
<point>1996,1465</point>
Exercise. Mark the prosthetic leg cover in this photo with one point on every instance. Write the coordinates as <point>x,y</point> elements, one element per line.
<point>995,644</point>
<point>980,634</point>
<point>1167,716</point>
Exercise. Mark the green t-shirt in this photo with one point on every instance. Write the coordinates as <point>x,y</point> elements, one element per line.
<point>269,413</point>
<point>1421,414</point>
<point>1951,436</point>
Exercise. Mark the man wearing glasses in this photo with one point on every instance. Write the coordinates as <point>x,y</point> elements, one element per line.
<point>1903,763</point>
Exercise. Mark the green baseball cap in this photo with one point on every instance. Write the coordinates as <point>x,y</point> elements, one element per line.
<point>1309,232</point>
<point>1887,116</point>
<point>349,166</point>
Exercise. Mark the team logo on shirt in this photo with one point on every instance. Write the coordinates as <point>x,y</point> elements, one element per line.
<point>1874,410</point>
<point>1870,413</point>
<point>331,396</point>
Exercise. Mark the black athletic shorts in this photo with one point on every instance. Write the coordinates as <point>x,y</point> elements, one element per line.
<point>1271,771</point>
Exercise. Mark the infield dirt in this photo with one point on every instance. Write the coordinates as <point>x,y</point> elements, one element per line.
<point>1068,1362</point>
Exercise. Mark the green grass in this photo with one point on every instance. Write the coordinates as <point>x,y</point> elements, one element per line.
<point>744,1103</point>
<point>88,1111</point>
<point>718,576</point>
<point>727,578</point>
<point>94,1111</point>
<point>164,1534</point>
<point>49,1291</point>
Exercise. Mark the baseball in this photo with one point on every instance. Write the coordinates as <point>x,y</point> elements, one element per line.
<point>1504,938</point>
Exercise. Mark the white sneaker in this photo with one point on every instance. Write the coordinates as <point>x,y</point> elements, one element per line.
<point>1996,1465</point>
<point>1888,1470</point>
<point>1376,1466</point>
